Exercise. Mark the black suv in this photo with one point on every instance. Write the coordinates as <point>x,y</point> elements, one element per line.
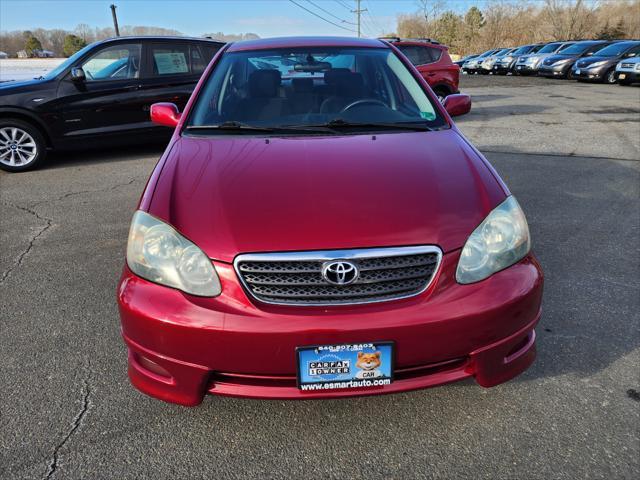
<point>99,96</point>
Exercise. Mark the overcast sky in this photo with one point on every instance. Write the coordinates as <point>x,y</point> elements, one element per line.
<point>266,18</point>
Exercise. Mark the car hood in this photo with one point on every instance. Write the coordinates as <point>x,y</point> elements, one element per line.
<point>555,57</point>
<point>588,61</point>
<point>234,195</point>
<point>19,86</point>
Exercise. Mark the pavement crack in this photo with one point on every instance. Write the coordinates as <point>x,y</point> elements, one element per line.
<point>48,221</point>
<point>75,425</point>
<point>83,192</point>
<point>20,258</point>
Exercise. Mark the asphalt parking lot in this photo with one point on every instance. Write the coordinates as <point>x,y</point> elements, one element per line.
<point>570,153</point>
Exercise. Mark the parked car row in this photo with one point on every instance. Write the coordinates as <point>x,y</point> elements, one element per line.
<point>607,61</point>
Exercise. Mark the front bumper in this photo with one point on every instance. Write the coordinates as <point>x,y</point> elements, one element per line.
<point>525,68</point>
<point>502,67</point>
<point>182,347</point>
<point>629,76</point>
<point>554,71</point>
<point>589,73</point>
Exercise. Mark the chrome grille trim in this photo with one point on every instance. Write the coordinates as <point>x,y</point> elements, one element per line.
<point>294,278</point>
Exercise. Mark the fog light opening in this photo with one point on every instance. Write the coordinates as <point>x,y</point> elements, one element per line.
<point>151,367</point>
<point>521,347</point>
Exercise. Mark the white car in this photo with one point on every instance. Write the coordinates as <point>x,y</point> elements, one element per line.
<point>628,71</point>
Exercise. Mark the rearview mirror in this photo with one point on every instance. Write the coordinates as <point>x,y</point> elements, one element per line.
<point>312,67</point>
<point>77,74</point>
<point>165,114</point>
<point>457,104</point>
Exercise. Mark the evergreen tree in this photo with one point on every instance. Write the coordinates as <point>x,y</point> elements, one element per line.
<point>72,43</point>
<point>32,45</point>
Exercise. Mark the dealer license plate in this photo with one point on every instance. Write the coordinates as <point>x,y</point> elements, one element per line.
<point>622,76</point>
<point>330,367</point>
<point>578,71</point>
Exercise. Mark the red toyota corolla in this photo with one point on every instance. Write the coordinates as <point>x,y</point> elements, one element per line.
<point>318,227</point>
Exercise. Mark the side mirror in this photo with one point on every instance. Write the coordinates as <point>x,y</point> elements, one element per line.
<point>77,74</point>
<point>166,114</point>
<point>457,104</point>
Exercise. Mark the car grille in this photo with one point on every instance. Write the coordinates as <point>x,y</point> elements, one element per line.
<point>626,65</point>
<point>296,277</point>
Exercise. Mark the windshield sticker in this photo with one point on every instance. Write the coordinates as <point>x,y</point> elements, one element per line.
<point>428,115</point>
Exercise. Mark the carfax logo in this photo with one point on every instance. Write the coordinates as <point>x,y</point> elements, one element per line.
<point>329,367</point>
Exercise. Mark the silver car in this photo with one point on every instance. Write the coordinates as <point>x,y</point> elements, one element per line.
<point>628,71</point>
<point>473,65</point>
<point>529,64</point>
<point>490,61</point>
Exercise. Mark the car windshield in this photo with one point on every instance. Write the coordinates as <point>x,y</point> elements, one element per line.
<point>577,48</point>
<point>503,52</point>
<point>549,48</point>
<point>312,87</point>
<point>487,53</point>
<point>565,46</point>
<point>615,50</point>
<point>522,50</point>
<point>67,63</point>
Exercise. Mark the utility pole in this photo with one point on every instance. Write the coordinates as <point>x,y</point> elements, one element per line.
<point>115,20</point>
<point>358,11</point>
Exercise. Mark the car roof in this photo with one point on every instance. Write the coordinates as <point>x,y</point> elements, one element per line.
<point>629,43</point>
<point>296,42</point>
<point>159,38</point>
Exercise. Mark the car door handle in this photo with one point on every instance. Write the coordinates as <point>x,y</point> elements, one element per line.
<point>132,88</point>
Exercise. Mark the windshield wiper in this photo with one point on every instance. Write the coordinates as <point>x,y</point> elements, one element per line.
<point>341,123</point>
<point>230,125</point>
<point>233,125</point>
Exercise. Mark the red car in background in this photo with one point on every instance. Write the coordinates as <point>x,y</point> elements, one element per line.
<point>432,61</point>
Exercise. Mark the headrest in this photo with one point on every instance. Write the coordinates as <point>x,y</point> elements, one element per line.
<point>264,83</point>
<point>302,85</point>
<point>345,82</point>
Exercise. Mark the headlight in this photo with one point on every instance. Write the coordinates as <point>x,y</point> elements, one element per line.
<point>507,59</point>
<point>157,252</point>
<point>637,67</point>
<point>560,62</point>
<point>596,64</point>
<point>498,242</point>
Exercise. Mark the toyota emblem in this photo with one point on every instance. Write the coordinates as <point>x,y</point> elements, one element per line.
<point>340,272</point>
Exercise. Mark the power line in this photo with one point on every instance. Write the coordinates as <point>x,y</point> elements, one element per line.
<point>321,17</point>
<point>329,13</point>
<point>342,4</point>
<point>375,22</point>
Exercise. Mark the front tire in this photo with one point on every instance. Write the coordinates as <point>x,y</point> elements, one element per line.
<point>22,146</point>
<point>610,77</point>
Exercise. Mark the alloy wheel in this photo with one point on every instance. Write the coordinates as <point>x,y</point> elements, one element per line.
<point>17,147</point>
<point>611,76</point>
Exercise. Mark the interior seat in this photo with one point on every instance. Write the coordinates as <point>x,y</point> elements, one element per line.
<point>303,98</point>
<point>263,101</point>
<point>346,86</point>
